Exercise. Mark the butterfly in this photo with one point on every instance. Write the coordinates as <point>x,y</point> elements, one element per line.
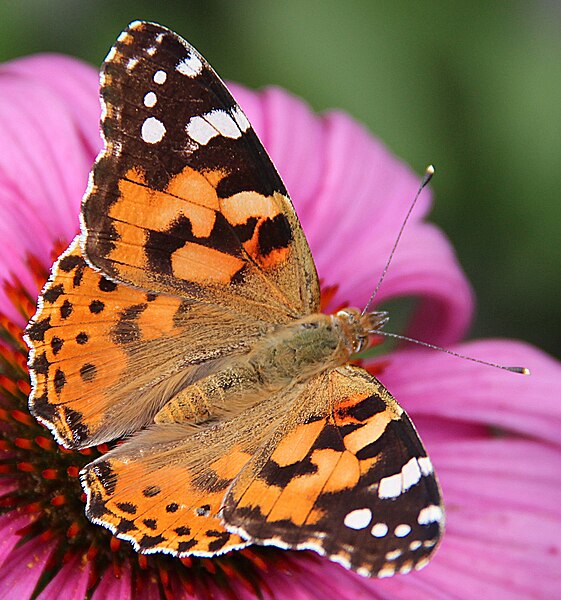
<point>185,319</point>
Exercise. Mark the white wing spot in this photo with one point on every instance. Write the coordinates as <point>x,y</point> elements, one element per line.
<point>131,63</point>
<point>150,99</point>
<point>393,554</point>
<point>390,487</point>
<point>200,131</point>
<point>379,530</point>
<point>406,568</point>
<point>386,572</point>
<point>402,530</point>
<point>160,77</point>
<point>425,465</point>
<point>190,66</point>
<point>151,51</point>
<point>415,545</point>
<point>423,562</point>
<point>224,123</point>
<point>411,474</point>
<point>111,54</point>
<point>241,119</point>
<point>152,130</point>
<point>430,514</point>
<point>358,519</point>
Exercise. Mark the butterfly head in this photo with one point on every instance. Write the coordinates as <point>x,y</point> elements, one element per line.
<point>358,326</point>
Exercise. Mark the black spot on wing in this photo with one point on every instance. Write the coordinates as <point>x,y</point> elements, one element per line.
<point>221,538</point>
<point>127,329</point>
<point>149,541</point>
<point>43,409</point>
<point>150,523</point>
<point>183,530</point>
<point>274,234</point>
<point>66,309</point>
<point>162,244</point>
<point>183,547</point>
<point>56,344</point>
<point>41,364</point>
<point>151,491</point>
<point>59,381</point>
<point>96,306</point>
<point>88,372</point>
<point>329,438</point>
<point>125,526</point>
<point>106,285</point>
<point>245,231</point>
<point>363,410</point>
<point>127,507</point>
<point>52,294</point>
<point>70,262</point>
<point>37,329</point>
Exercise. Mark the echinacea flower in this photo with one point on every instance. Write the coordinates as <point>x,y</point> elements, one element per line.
<point>493,436</point>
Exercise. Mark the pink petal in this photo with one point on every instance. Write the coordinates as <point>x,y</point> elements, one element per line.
<point>69,583</point>
<point>119,588</point>
<point>45,157</point>
<point>10,523</point>
<point>431,383</point>
<point>352,196</point>
<point>72,80</point>
<point>23,568</point>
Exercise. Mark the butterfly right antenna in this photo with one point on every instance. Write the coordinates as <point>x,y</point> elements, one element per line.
<point>429,172</point>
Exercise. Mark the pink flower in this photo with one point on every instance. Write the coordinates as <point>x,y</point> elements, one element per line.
<point>493,436</point>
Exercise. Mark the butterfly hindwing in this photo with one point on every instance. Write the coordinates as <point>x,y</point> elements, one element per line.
<point>349,479</point>
<point>184,199</point>
<point>105,357</point>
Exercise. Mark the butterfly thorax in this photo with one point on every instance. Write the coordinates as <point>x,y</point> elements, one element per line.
<point>290,354</point>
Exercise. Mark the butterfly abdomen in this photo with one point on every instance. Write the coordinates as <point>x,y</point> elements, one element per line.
<point>293,353</point>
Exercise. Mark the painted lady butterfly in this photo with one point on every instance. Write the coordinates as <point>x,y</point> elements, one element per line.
<point>186,313</point>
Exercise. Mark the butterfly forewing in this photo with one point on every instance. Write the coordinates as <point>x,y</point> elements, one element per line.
<point>184,199</point>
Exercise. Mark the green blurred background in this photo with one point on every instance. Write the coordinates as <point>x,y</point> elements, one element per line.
<point>474,88</point>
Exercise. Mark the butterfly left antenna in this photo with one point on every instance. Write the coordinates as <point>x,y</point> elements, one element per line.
<point>429,172</point>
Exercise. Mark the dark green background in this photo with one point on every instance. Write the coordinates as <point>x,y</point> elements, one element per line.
<point>474,88</point>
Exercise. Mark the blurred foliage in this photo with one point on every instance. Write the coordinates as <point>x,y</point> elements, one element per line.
<point>472,87</point>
